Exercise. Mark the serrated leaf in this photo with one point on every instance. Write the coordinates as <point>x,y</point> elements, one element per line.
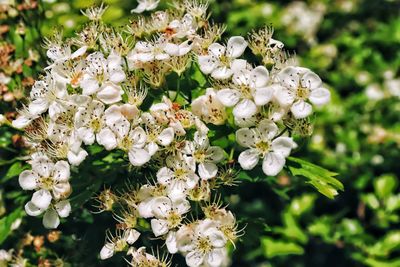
<point>322,179</point>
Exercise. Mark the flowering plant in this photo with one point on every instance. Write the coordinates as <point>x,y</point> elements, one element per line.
<point>169,107</point>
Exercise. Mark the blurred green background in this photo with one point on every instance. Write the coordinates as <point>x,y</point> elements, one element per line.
<point>352,44</point>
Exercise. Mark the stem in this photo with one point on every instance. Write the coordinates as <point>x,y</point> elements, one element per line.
<point>282,132</point>
<point>178,88</point>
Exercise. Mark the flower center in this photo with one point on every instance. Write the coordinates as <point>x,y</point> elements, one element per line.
<point>95,124</point>
<point>199,156</point>
<point>246,91</point>
<point>263,147</point>
<point>204,245</point>
<point>302,92</point>
<point>225,61</point>
<point>180,174</point>
<point>46,182</point>
<point>174,219</point>
<point>125,143</point>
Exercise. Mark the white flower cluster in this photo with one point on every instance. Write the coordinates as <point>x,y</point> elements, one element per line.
<point>92,93</point>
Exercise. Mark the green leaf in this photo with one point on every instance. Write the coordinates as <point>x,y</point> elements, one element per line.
<point>322,179</point>
<point>273,248</point>
<point>14,170</point>
<point>6,222</point>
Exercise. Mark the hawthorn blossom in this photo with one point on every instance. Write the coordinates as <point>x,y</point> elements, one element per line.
<point>206,156</point>
<point>145,5</point>
<point>249,90</point>
<point>118,242</point>
<point>168,214</point>
<point>103,76</point>
<point>298,86</point>
<point>89,121</point>
<point>261,143</point>
<point>209,108</point>
<point>179,176</point>
<point>221,62</point>
<point>202,244</point>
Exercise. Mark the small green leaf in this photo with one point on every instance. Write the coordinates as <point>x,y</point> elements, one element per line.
<point>323,180</point>
<point>6,222</point>
<point>15,169</point>
<point>273,248</point>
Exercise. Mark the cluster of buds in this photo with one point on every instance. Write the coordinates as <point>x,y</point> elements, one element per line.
<point>93,92</point>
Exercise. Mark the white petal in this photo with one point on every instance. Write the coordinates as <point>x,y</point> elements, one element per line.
<point>284,96</point>
<point>221,73</point>
<point>159,227</point>
<point>117,76</point>
<point>260,76</point>
<point>248,159</point>
<point>89,85</point>
<point>107,251</point>
<point>289,77</point>
<point>152,148</point>
<point>263,95</point>
<point>107,139</point>
<point>86,135</point>
<point>41,199</point>
<point>27,180</point>
<point>194,258</point>
<point>245,137</point>
<point>171,242</point>
<point>216,50</point>
<point>217,238</point>
<point>311,80</point>
<point>38,106</point>
<point>320,96</point>
<point>21,122</point>
<point>215,154</point>
<point>138,156</point>
<point>61,171</point>
<point>228,97</point>
<point>110,94</point>
<point>161,206</point>
<point>238,65</point>
<point>79,52</point>
<point>42,166</point>
<point>207,64</point>
<point>131,235</point>
<point>301,109</point>
<point>51,219</point>
<point>283,145</point>
<point>215,258</point>
<point>236,46</point>
<point>140,8</point>
<point>164,176</point>
<point>245,109</point>
<point>207,170</point>
<point>145,208</point>
<point>63,208</point>
<point>166,136</point>
<point>268,129</point>
<point>273,163</point>
<point>77,158</point>
<point>138,136</point>
<point>172,49</point>
<point>32,210</point>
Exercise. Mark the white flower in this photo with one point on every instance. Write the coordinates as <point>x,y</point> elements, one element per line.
<point>221,62</point>
<point>249,91</point>
<point>205,155</point>
<point>168,214</point>
<point>203,246</point>
<point>261,144</point>
<point>103,76</point>
<point>118,242</point>
<point>51,180</point>
<point>145,5</point>
<point>179,176</point>
<point>119,134</point>
<point>63,53</point>
<point>298,86</point>
<point>70,72</point>
<point>48,94</point>
<point>156,134</point>
<point>146,51</point>
<point>185,27</point>
<point>89,121</point>
<point>209,108</point>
